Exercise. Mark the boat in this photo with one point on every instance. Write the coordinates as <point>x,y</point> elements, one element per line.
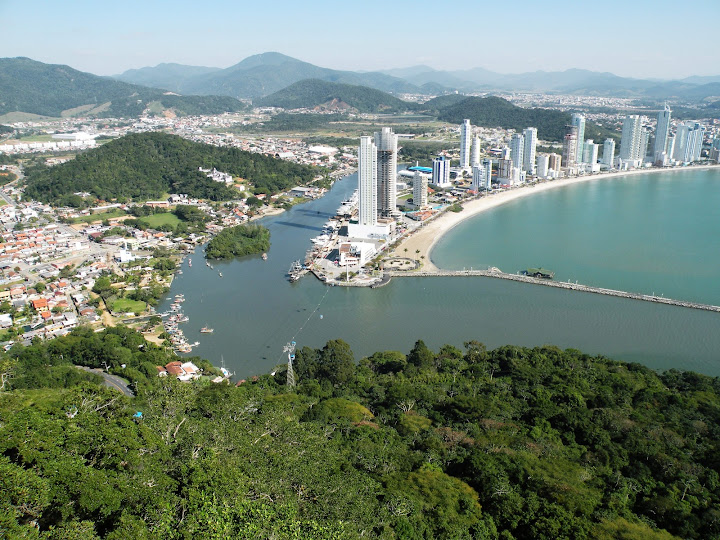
<point>189,262</point>
<point>264,256</point>
<point>220,274</point>
<point>541,273</point>
<point>207,330</point>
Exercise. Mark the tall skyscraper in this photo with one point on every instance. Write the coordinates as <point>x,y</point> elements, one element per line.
<point>530,137</point>
<point>662,132</point>
<point>631,139</point>
<point>609,152</point>
<point>465,136</point>
<point>578,120</point>
<point>487,165</point>
<point>517,150</point>
<point>441,172</point>
<point>475,151</point>
<point>570,144</point>
<point>419,190</point>
<point>543,165</point>
<point>386,143</point>
<point>367,182</point>
<point>590,152</point>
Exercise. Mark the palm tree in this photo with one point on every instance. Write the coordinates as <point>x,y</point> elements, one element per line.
<point>405,250</point>
<point>417,252</point>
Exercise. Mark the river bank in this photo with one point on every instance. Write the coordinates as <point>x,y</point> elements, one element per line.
<point>424,238</point>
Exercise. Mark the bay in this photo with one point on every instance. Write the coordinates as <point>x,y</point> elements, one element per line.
<point>255,311</point>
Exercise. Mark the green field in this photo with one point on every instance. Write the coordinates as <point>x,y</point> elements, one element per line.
<point>99,216</point>
<point>123,305</point>
<point>165,218</point>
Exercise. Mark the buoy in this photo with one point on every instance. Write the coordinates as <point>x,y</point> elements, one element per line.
<point>321,316</point>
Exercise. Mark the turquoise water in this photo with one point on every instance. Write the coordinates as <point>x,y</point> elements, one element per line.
<point>654,233</point>
<point>255,310</point>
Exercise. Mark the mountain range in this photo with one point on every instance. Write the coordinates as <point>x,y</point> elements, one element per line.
<point>263,74</point>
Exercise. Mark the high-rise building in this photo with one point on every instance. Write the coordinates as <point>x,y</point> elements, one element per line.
<point>367,182</point>
<point>688,142</point>
<point>590,152</point>
<point>386,143</point>
<point>543,165</point>
<point>517,149</point>
<point>646,141</point>
<point>441,172</point>
<point>478,178</point>
<point>419,190</point>
<point>487,165</point>
<point>554,162</point>
<point>609,152</point>
<point>465,136</point>
<point>475,151</point>
<point>570,143</point>
<point>662,133</point>
<point>630,141</point>
<point>578,120</point>
<point>530,137</point>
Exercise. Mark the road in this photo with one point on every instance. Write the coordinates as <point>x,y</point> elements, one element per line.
<point>111,381</point>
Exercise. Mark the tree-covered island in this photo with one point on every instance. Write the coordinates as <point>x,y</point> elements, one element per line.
<point>238,241</point>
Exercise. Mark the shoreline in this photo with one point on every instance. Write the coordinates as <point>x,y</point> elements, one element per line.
<point>425,237</point>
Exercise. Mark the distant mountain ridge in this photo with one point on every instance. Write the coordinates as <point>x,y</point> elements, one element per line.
<point>55,90</point>
<point>263,74</point>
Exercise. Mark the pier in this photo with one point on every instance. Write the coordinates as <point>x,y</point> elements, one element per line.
<point>495,273</point>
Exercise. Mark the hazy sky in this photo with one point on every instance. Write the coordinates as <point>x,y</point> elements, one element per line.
<point>636,38</point>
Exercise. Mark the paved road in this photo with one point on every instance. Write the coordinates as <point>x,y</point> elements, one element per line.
<point>111,381</point>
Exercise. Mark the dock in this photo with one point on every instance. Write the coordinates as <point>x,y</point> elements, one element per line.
<point>494,273</point>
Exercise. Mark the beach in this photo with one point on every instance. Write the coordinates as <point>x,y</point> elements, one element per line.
<point>420,243</point>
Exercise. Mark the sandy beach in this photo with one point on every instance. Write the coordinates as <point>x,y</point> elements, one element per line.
<point>424,238</point>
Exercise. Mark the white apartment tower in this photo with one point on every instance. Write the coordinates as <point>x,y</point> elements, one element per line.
<point>530,137</point>
<point>662,133</point>
<point>609,152</point>
<point>367,182</point>
<point>517,150</point>
<point>543,165</point>
<point>487,165</point>
<point>441,172</point>
<point>578,120</point>
<point>688,142</point>
<point>630,141</point>
<point>475,151</point>
<point>465,136</point>
<point>590,152</point>
<point>419,190</point>
<point>386,143</point>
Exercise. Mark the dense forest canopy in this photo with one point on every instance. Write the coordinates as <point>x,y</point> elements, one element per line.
<point>146,166</point>
<point>510,443</point>
<point>238,241</point>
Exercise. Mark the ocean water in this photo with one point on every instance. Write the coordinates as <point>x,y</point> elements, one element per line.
<point>647,233</point>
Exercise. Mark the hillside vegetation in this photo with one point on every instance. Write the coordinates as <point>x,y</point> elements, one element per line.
<point>497,112</point>
<point>454,444</point>
<point>50,90</point>
<point>312,93</point>
<point>147,166</point>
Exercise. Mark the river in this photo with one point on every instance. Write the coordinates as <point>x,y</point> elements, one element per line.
<point>254,310</point>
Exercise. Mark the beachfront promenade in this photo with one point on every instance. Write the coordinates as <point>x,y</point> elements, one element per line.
<point>549,283</point>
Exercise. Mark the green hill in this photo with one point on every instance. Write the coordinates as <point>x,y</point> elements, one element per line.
<point>56,90</point>
<point>149,165</point>
<point>513,443</point>
<point>312,93</point>
<point>497,112</point>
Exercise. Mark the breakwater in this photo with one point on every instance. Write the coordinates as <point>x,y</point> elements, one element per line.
<point>494,273</point>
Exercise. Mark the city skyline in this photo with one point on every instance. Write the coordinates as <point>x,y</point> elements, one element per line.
<point>111,39</point>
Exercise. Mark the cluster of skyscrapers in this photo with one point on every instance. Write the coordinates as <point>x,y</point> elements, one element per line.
<point>377,177</point>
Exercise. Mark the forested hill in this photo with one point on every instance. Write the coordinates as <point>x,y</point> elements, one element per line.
<point>312,93</point>
<point>449,444</point>
<point>147,166</point>
<point>494,112</point>
<point>53,90</point>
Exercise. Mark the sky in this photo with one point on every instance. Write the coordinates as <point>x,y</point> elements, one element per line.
<point>631,38</point>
